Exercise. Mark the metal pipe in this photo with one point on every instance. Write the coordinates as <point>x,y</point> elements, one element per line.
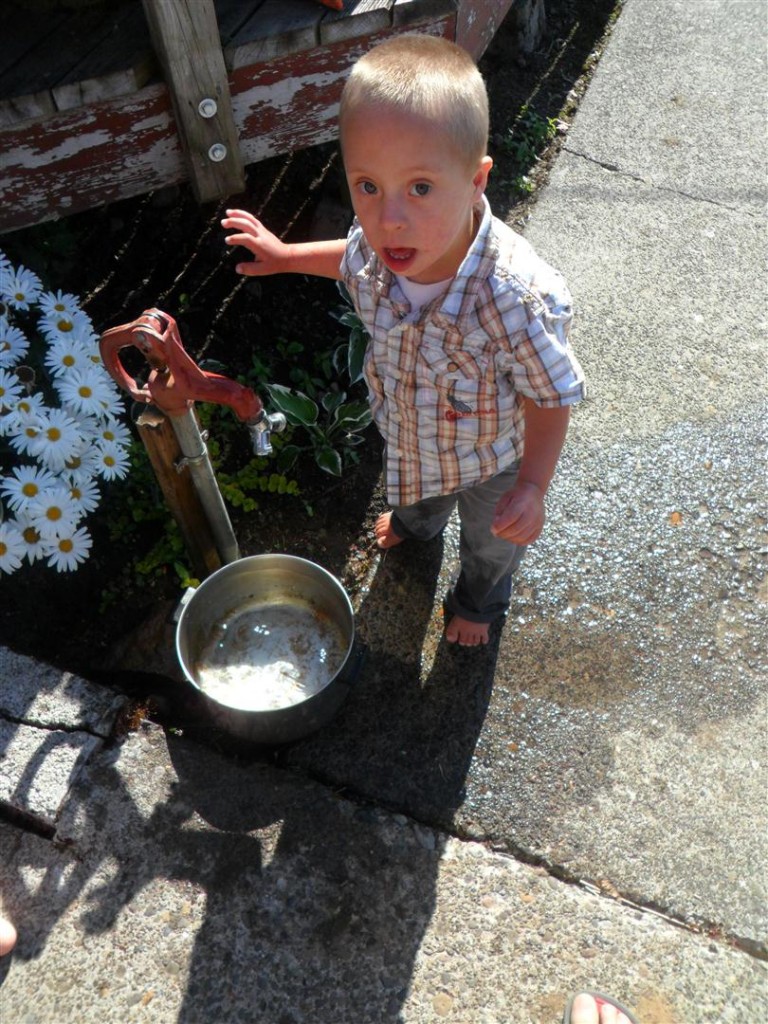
<point>195,455</point>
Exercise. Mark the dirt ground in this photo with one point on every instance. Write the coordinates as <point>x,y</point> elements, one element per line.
<point>162,250</point>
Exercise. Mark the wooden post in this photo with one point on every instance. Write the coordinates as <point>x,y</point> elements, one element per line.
<point>185,35</point>
<point>157,434</point>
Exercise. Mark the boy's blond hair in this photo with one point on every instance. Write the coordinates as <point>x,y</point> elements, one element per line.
<point>426,76</point>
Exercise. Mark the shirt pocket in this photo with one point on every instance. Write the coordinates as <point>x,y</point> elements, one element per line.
<point>462,388</point>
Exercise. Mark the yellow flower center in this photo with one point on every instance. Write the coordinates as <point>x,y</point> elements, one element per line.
<point>53,513</point>
<point>108,435</point>
<point>30,432</point>
<point>84,391</point>
<point>74,463</point>
<point>109,460</point>
<point>30,535</point>
<point>65,325</point>
<point>30,489</point>
<point>53,434</point>
<point>59,307</point>
<point>3,549</point>
<point>76,493</point>
<point>19,296</point>
<point>65,545</point>
<point>68,360</point>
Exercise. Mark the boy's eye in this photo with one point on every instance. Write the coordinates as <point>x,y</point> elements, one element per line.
<point>367,188</point>
<point>421,188</point>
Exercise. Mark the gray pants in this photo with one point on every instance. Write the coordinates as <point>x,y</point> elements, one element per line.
<point>483,589</point>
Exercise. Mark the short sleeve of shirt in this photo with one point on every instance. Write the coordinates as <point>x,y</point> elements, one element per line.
<point>539,357</point>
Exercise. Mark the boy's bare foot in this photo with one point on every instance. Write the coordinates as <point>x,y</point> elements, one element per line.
<point>468,634</point>
<point>385,535</point>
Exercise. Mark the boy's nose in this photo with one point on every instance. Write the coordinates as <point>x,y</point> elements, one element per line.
<point>391,214</point>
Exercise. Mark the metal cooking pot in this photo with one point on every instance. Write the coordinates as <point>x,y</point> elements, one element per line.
<point>265,641</point>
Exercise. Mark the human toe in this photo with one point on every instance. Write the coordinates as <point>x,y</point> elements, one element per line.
<point>586,1009</point>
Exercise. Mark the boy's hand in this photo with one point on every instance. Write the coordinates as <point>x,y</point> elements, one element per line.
<point>270,254</point>
<point>519,514</point>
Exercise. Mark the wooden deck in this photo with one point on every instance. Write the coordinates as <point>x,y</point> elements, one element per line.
<point>95,107</point>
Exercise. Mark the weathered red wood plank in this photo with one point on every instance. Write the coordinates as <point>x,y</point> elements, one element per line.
<point>478,23</point>
<point>83,158</point>
<point>292,102</point>
<point>88,156</point>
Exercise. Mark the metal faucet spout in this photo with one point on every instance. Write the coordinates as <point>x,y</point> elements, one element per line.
<point>262,428</point>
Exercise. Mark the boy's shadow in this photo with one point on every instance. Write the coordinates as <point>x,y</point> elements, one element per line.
<point>406,736</point>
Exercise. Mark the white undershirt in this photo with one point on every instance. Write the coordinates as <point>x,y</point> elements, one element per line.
<point>419,295</point>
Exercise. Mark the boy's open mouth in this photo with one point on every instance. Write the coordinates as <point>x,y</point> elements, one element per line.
<point>399,255</point>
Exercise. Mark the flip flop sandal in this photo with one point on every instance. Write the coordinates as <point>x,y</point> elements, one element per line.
<point>599,998</point>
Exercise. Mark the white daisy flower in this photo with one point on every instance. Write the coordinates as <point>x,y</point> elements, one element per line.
<point>59,302</point>
<point>20,412</point>
<point>85,391</point>
<point>53,512</point>
<point>112,431</point>
<point>25,434</point>
<point>85,495</point>
<point>66,325</point>
<point>83,466</point>
<point>66,354</point>
<point>113,461</point>
<point>14,344</point>
<point>69,549</point>
<point>29,406</point>
<point>33,542</point>
<point>25,483</point>
<point>11,389</point>
<point>5,263</point>
<point>20,287</point>
<point>12,548</point>
<point>57,440</point>
<point>94,354</point>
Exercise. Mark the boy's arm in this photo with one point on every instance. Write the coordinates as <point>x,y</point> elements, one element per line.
<point>520,512</point>
<point>273,256</point>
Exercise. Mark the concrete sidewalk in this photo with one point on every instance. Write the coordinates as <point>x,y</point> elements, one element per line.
<point>479,834</point>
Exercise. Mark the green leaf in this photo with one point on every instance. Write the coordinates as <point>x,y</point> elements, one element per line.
<point>332,400</point>
<point>358,343</point>
<point>329,460</point>
<point>353,416</point>
<point>297,407</point>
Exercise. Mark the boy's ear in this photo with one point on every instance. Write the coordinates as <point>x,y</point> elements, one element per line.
<point>480,180</point>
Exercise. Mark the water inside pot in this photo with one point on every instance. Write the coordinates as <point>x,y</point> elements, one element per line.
<point>265,655</point>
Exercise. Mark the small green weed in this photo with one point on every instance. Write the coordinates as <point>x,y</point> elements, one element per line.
<point>524,144</point>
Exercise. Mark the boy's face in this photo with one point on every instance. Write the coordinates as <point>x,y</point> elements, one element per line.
<point>411,191</point>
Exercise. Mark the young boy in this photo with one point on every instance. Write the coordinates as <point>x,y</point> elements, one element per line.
<point>469,371</point>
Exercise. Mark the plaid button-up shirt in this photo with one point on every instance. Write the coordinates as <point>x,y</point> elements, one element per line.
<point>446,382</point>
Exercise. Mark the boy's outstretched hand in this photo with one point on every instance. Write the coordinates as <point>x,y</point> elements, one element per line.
<point>273,256</point>
<point>270,254</point>
<point>519,514</point>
